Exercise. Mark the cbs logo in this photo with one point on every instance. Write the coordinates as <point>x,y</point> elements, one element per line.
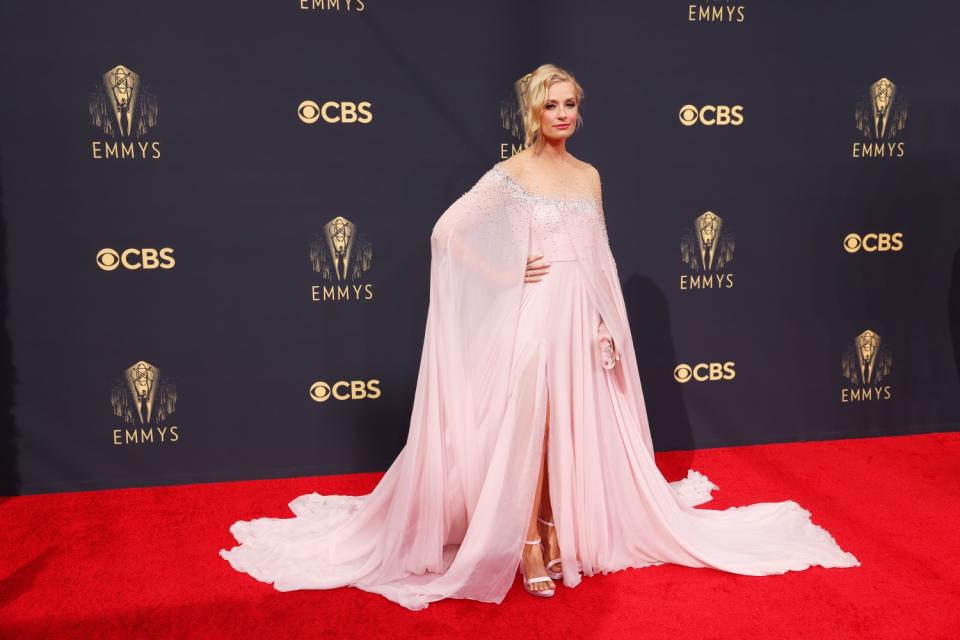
<point>710,115</point>
<point>134,259</point>
<point>705,371</point>
<point>333,111</point>
<point>872,242</point>
<point>321,391</point>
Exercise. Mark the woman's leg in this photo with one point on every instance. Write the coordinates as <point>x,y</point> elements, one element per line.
<point>532,554</point>
<point>548,533</point>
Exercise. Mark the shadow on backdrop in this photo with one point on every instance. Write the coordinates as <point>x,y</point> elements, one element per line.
<point>953,309</point>
<point>9,460</point>
<point>656,356</point>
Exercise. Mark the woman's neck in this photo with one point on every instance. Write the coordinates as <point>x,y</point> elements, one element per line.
<point>552,151</point>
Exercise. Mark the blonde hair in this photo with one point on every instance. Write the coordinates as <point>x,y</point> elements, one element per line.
<point>531,92</point>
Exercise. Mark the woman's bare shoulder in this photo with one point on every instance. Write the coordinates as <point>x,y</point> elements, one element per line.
<point>520,162</point>
<point>588,175</point>
<point>591,178</point>
<point>588,169</point>
<point>516,164</point>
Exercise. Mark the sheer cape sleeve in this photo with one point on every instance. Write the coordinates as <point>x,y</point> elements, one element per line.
<point>449,516</point>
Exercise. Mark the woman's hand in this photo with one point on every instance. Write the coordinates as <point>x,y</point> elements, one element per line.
<point>536,269</point>
<point>609,354</point>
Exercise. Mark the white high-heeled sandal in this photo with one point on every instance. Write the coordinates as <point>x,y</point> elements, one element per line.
<point>543,593</point>
<point>556,575</point>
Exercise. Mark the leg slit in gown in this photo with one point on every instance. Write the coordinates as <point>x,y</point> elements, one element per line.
<point>553,359</point>
<point>612,508</point>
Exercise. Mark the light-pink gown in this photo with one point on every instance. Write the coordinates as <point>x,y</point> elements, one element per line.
<point>448,518</point>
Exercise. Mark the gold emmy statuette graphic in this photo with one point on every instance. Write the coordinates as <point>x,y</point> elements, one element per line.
<point>142,382</point>
<point>707,233</point>
<point>340,234</point>
<point>511,118</point>
<point>868,362</point>
<point>121,106</point>
<point>882,113</point>
<point>709,247</point>
<point>341,256</point>
<point>142,397</point>
<point>122,85</point>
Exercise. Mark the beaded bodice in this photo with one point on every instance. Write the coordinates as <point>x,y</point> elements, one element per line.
<point>554,219</point>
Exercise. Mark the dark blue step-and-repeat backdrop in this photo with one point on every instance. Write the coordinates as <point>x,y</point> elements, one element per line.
<point>216,219</point>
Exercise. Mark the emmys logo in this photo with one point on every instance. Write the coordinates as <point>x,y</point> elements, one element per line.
<point>135,259</point>
<point>125,109</point>
<point>704,372</point>
<point>333,112</point>
<point>873,242</point>
<point>341,257</point>
<point>711,115</point>
<point>511,119</point>
<point>143,401</point>
<point>880,115</point>
<point>716,11</point>
<point>332,5</point>
<point>509,149</point>
<point>321,391</point>
<point>707,248</point>
<point>866,365</point>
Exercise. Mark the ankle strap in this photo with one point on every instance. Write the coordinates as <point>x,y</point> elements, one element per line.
<point>532,541</point>
<point>549,524</point>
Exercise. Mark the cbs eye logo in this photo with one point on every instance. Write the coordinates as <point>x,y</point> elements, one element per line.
<point>704,372</point>
<point>873,242</point>
<point>321,391</point>
<point>135,259</point>
<point>333,111</point>
<point>711,115</point>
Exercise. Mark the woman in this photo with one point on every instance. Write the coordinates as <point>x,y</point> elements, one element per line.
<point>529,446</point>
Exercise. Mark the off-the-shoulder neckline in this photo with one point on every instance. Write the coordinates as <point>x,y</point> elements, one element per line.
<point>510,180</point>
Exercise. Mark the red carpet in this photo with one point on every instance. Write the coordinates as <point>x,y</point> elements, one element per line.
<point>143,562</point>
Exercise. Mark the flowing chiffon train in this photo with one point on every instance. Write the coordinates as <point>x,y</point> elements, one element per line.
<point>448,518</point>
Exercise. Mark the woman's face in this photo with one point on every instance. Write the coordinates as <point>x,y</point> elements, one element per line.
<point>559,116</point>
